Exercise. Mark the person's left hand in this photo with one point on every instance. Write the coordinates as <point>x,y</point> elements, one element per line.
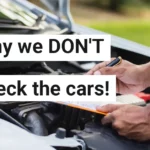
<point>130,121</point>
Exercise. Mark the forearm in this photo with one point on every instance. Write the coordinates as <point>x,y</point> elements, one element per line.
<point>146,74</point>
<point>147,111</point>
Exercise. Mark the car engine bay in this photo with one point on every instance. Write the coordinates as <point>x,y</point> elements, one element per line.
<point>47,125</point>
<point>55,125</point>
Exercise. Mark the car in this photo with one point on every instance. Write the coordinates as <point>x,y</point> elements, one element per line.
<point>47,125</point>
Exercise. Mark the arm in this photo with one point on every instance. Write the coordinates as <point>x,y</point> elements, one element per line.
<point>146,73</point>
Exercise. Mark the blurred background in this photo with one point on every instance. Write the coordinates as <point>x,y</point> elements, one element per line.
<point>129,19</point>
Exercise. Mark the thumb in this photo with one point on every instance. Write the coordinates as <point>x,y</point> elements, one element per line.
<point>118,71</point>
<point>109,108</point>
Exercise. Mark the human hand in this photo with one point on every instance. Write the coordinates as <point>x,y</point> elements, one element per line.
<point>131,78</point>
<point>130,121</point>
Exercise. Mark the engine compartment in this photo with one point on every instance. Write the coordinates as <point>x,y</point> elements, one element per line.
<point>58,122</point>
<point>47,125</point>
<point>47,119</point>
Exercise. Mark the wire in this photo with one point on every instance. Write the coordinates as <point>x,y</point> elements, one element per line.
<point>50,70</point>
<point>47,68</point>
<point>75,64</point>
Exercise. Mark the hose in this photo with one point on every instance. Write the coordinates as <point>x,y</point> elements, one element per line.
<point>36,124</point>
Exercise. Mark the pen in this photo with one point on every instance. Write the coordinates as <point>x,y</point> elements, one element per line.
<point>115,62</point>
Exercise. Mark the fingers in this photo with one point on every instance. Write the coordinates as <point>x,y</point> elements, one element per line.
<point>118,125</point>
<point>98,67</point>
<point>117,70</point>
<point>109,108</point>
<point>107,119</point>
<point>112,118</point>
<point>113,112</point>
<point>101,69</point>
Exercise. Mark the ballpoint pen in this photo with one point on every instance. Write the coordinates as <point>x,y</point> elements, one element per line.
<point>115,62</point>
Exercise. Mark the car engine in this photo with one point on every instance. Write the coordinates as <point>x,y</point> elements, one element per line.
<point>47,125</point>
<point>50,126</point>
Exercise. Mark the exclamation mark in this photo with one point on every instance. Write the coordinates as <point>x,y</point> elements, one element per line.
<point>107,88</point>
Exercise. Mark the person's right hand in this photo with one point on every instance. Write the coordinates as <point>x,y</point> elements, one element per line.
<point>131,78</point>
<point>130,121</point>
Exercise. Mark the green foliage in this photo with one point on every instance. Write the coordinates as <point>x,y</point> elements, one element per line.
<point>132,30</point>
<point>115,5</point>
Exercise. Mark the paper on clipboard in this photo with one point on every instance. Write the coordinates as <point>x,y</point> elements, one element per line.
<point>89,106</point>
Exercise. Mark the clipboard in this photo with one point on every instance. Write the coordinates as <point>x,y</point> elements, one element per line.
<point>91,107</point>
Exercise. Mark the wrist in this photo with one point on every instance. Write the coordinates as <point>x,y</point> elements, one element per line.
<point>145,71</point>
